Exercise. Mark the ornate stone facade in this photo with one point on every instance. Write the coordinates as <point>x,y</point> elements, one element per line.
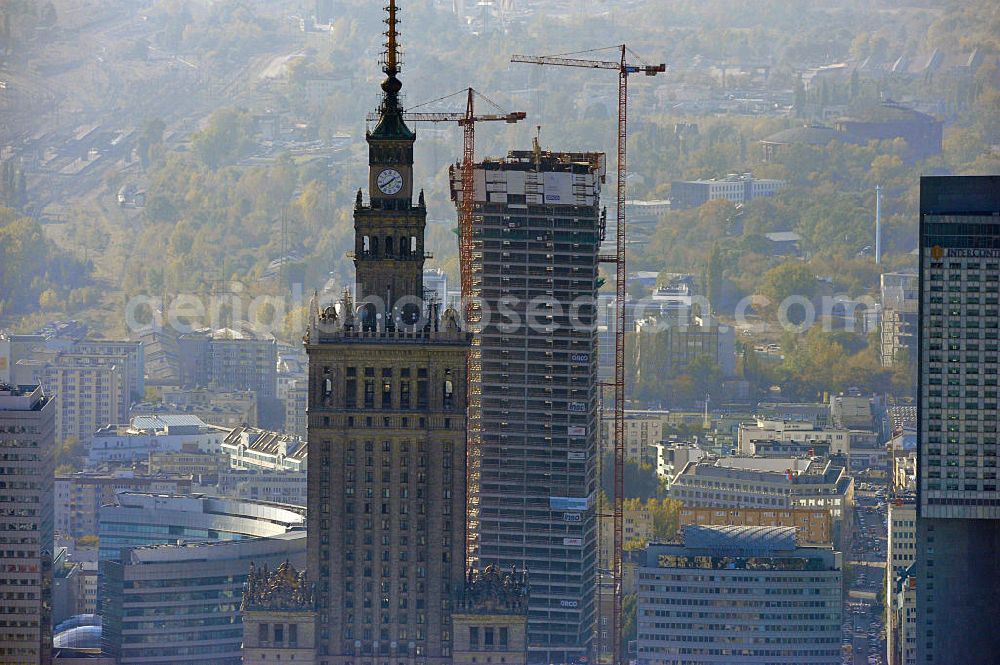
<point>387,429</point>
<point>279,618</point>
<point>491,618</point>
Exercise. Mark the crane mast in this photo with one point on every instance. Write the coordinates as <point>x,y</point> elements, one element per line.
<point>624,69</point>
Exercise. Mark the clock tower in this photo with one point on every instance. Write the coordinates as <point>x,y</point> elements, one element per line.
<point>387,430</point>
<point>389,231</point>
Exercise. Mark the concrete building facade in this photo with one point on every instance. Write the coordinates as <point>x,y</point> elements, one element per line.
<point>387,429</point>
<point>753,482</point>
<point>535,267</point>
<point>736,188</point>
<point>181,603</point>
<point>133,442</point>
<point>732,594</point>
<point>958,505</point>
<point>27,443</point>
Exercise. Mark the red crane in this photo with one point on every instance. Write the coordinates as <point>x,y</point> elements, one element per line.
<point>624,68</point>
<point>467,121</point>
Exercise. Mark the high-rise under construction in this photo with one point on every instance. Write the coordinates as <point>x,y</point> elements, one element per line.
<point>535,411</point>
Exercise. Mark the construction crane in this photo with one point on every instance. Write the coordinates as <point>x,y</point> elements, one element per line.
<point>467,121</point>
<point>624,69</point>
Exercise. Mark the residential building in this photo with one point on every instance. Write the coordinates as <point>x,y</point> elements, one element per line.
<point>898,332</point>
<point>900,577</point>
<point>671,458</point>
<point>74,587</point>
<point>756,482</point>
<point>202,467</point>
<point>637,531</point>
<point>89,391</point>
<point>288,487</point>
<point>643,431</point>
<point>958,506</point>
<point>536,242</point>
<point>27,441</point>
<point>79,496</point>
<point>789,605</point>
<point>296,401</point>
<point>228,360</point>
<point>853,412</point>
<point>180,603</point>
<point>133,442</point>
<point>813,526</point>
<point>279,616</point>
<point>490,618</point>
<point>134,356</point>
<point>387,428</point>
<point>293,389</point>
<point>815,413</point>
<point>901,633</point>
<point>226,409</point>
<point>793,431</point>
<point>253,448</point>
<point>736,188</point>
<point>20,354</point>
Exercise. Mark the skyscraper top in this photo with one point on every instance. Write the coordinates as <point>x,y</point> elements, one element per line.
<point>390,124</point>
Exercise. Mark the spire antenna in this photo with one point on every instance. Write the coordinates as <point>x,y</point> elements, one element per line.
<point>391,48</point>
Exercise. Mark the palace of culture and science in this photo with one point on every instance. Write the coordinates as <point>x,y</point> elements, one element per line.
<point>387,570</point>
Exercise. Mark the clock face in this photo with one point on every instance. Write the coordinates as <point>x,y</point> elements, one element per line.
<point>389,181</point>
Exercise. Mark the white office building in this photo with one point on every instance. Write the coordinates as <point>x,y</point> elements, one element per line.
<point>739,594</point>
<point>133,442</point>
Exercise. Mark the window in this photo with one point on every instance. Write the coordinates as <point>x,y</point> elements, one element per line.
<point>448,389</point>
<point>386,387</point>
<point>423,400</point>
<point>279,632</point>
<point>369,393</point>
<point>262,633</point>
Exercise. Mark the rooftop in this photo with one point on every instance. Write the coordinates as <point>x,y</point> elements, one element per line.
<point>742,539</point>
<point>808,135</point>
<point>21,398</point>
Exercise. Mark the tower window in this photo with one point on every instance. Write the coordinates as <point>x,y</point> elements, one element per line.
<point>448,389</point>
<point>388,246</point>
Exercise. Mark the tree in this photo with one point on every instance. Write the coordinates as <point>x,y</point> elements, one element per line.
<point>225,139</point>
<point>666,517</point>
<point>630,626</point>
<point>150,142</point>
<point>87,542</point>
<point>70,452</point>
<point>49,300</point>
<point>713,277</point>
<point>640,479</point>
